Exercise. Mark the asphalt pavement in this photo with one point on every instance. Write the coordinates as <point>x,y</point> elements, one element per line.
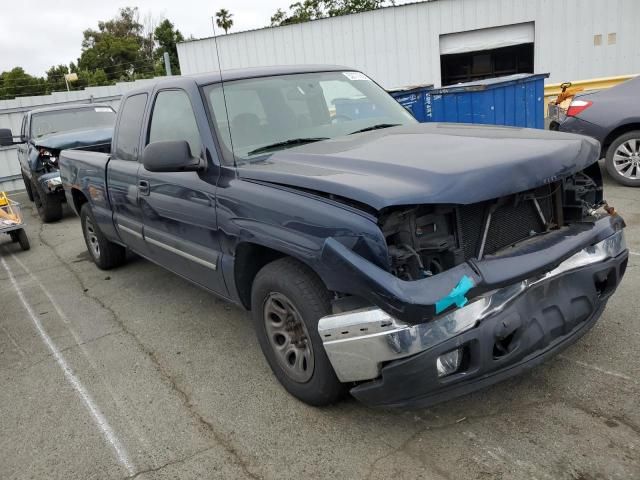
<point>137,373</point>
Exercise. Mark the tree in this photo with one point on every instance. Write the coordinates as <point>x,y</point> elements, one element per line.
<point>123,48</point>
<point>17,83</point>
<point>224,20</point>
<point>278,18</point>
<point>118,47</point>
<point>167,37</point>
<point>306,10</point>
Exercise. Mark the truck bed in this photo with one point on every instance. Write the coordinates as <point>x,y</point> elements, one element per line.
<point>85,172</point>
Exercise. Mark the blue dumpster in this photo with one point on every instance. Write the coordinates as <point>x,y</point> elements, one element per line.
<point>515,100</point>
<point>354,108</point>
<point>413,99</point>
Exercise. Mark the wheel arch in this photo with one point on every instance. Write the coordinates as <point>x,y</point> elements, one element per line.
<point>250,258</point>
<point>616,132</point>
<point>79,199</point>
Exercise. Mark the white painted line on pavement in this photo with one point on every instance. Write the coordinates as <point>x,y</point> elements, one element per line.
<point>139,434</point>
<point>97,415</point>
<point>634,253</point>
<point>597,369</point>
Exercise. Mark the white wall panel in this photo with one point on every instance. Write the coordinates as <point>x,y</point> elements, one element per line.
<point>399,46</point>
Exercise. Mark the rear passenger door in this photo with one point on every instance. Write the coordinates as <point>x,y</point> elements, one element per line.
<point>179,208</point>
<point>122,173</point>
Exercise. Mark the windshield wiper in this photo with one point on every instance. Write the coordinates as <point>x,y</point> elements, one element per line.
<point>292,142</point>
<point>376,127</point>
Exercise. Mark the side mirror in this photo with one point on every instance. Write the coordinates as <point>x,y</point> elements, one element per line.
<point>6,137</point>
<point>170,156</point>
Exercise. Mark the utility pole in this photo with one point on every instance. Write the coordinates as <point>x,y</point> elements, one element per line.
<point>167,64</point>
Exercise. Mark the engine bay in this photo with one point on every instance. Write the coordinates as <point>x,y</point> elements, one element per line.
<point>425,240</point>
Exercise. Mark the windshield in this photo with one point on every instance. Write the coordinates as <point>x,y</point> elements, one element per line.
<point>268,114</point>
<point>85,118</point>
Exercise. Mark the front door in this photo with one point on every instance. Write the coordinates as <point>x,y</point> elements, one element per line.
<point>179,208</point>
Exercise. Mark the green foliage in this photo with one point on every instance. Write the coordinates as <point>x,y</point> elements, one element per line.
<point>224,20</point>
<point>123,48</point>
<point>118,47</point>
<point>17,82</point>
<point>306,10</point>
<point>167,37</point>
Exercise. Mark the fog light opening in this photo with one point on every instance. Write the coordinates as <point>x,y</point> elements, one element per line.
<point>449,362</point>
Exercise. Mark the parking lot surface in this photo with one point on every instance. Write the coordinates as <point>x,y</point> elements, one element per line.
<point>137,373</point>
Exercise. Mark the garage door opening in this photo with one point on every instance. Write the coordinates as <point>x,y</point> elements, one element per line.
<point>487,53</point>
<point>465,67</point>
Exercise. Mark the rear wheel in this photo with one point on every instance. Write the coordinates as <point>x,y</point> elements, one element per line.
<point>49,208</point>
<point>105,254</point>
<point>287,301</point>
<point>623,159</point>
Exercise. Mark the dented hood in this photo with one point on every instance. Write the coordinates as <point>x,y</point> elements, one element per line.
<point>428,163</point>
<point>75,138</point>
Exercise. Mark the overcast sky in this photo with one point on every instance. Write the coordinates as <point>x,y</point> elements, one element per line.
<point>36,34</point>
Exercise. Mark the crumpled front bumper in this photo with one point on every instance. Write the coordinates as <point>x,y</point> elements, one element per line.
<point>500,333</point>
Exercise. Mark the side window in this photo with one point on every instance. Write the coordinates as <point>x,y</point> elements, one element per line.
<point>173,119</point>
<point>129,125</point>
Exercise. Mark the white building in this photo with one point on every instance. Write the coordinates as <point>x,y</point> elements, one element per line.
<point>446,41</point>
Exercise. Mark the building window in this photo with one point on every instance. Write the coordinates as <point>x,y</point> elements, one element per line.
<point>466,67</point>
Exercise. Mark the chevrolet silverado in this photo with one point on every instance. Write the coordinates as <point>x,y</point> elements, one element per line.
<point>404,263</point>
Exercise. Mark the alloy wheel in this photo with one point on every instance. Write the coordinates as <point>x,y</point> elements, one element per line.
<point>626,159</point>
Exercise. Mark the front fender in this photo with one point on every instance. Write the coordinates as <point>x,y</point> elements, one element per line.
<point>293,223</point>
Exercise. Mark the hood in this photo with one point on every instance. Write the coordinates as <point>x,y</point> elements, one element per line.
<point>76,138</point>
<point>428,163</point>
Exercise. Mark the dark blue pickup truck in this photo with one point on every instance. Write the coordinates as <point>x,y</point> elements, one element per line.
<point>406,263</point>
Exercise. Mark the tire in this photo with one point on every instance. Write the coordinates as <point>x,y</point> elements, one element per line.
<point>27,187</point>
<point>23,240</point>
<point>626,172</point>
<point>14,236</point>
<point>105,254</point>
<point>288,289</point>
<point>49,208</point>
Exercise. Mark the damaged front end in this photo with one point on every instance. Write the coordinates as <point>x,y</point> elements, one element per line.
<point>473,293</point>
<point>44,163</point>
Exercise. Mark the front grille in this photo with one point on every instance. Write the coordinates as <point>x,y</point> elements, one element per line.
<point>513,219</point>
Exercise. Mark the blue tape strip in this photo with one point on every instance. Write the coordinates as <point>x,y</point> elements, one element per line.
<point>456,296</point>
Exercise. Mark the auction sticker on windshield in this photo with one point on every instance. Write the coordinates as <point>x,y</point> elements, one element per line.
<point>356,76</point>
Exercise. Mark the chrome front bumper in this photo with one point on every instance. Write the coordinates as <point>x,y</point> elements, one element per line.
<point>359,342</point>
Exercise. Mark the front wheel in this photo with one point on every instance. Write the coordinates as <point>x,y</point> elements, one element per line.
<point>49,207</point>
<point>105,254</point>
<point>27,187</point>
<point>287,301</point>
<point>623,159</point>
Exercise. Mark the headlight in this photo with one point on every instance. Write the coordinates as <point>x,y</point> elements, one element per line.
<point>47,155</point>
<point>53,182</point>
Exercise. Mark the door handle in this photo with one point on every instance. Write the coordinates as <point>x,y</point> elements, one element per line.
<point>143,187</point>
<point>202,201</point>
